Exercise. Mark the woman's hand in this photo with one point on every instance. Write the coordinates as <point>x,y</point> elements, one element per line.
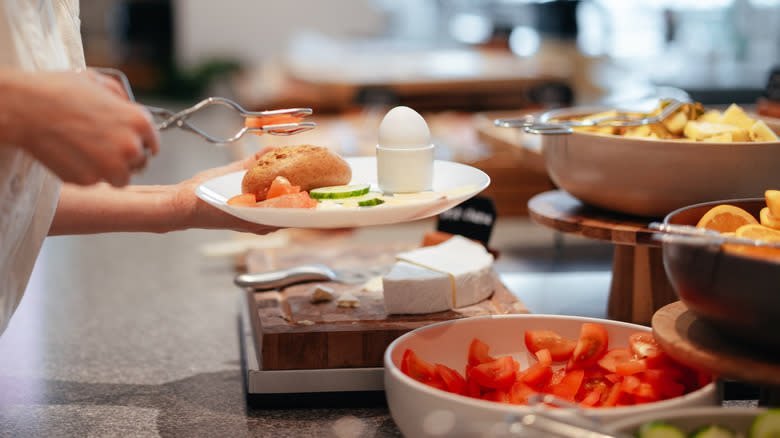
<point>200,214</point>
<point>81,125</point>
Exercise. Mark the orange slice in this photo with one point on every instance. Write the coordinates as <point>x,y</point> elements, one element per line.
<point>759,232</point>
<point>725,218</point>
<point>773,202</point>
<point>767,219</point>
<point>756,232</point>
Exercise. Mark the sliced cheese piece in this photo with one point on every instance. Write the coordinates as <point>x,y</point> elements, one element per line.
<point>348,300</point>
<point>468,264</point>
<point>705,130</point>
<point>412,289</point>
<point>373,285</point>
<point>321,294</point>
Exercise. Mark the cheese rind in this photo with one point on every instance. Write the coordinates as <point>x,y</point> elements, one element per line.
<point>412,289</point>
<point>465,277</point>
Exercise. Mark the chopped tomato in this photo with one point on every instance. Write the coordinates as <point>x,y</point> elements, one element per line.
<point>633,366</point>
<point>647,392</point>
<point>613,357</point>
<point>594,376</point>
<point>259,122</point>
<point>613,396</point>
<point>537,375</point>
<point>472,388</point>
<point>591,345</point>
<point>243,200</point>
<point>281,186</point>
<point>437,383</point>
<point>478,353</point>
<point>519,393</point>
<point>665,381</point>
<point>592,396</point>
<point>417,368</point>
<point>630,384</point>
<point>544,356</point>
<point>499,373</point>
<point>569,385</point>
<point>560,347</point>
<point>644,346</point>
<point>500,395</point>
<point>292,200</point>
<point>454,382</point>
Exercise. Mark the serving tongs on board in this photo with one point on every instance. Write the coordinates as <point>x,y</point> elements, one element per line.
<point>274,122</point>
<point>548,123</point>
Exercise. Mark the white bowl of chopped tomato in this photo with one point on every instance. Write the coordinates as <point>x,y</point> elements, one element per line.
<point>464,376</point>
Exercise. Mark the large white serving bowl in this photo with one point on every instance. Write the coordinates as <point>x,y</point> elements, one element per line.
<point>650,177</point>
<point>422,411</point>
<point>738,419</point>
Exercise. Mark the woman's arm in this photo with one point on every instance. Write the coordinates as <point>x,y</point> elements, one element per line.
<point>102,208</point>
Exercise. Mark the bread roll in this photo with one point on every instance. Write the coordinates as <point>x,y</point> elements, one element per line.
<point>303,165</point>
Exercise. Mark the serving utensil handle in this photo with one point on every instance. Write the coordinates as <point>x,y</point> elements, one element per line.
<point>284,277</point>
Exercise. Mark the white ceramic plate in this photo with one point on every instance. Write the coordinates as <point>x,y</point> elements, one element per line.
<point>446,176</point>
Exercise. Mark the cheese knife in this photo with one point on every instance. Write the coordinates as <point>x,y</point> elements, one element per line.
<point>305,273</point>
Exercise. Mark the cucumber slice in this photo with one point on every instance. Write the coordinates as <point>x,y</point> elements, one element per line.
<point>340,192</point>
<point>370,198</point>
<point>371,202</point>
<point>714,431</point>
<point>659,429</point>
<point>766,425</point>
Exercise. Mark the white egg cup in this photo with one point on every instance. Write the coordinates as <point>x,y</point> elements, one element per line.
<point>404,170</point>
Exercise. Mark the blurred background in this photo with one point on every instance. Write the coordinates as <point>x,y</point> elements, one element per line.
<point>451,54</point>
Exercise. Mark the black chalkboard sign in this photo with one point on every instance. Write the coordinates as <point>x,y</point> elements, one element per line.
<point>473,218</point>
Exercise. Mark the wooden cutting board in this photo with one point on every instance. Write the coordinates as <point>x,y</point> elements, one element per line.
<point>291,332</point>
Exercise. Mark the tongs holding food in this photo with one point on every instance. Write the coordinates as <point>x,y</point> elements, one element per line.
<point>548,123</point>
<point>274,122</point>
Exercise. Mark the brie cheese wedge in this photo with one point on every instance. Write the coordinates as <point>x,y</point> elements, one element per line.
<point>452,274</point>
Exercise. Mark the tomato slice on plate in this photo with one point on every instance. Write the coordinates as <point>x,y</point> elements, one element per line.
<point>560,347</point>
<point>281,186</point>
<point>243,200</point>
<point>291,200</point>
<point>499,373</point>
<point>591,345</point>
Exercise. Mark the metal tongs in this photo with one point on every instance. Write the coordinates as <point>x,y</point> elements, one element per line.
<point>567,422</point>
<point>166,118</point>
<point>544,125</point>
<point>687,233</point>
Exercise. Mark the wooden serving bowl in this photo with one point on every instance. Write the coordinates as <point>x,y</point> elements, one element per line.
<point>737,294</point>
